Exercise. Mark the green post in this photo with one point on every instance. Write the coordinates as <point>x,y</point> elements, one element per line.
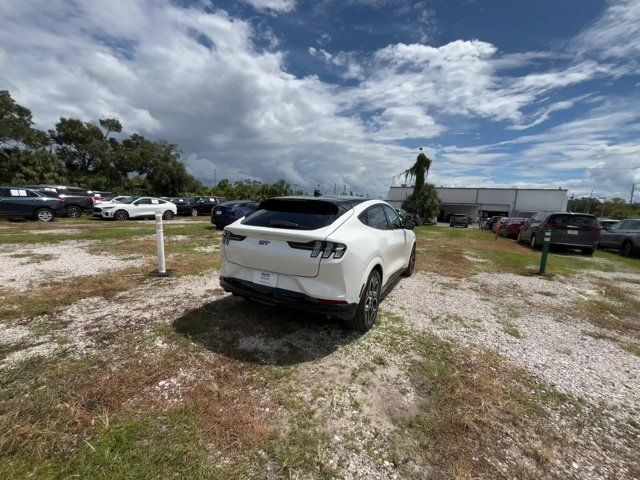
<point>545,250</point>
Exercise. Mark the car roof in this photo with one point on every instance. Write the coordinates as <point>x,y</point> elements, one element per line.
<point>342,201</point>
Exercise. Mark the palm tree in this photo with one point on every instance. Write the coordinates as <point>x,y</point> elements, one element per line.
<point>419,171</point>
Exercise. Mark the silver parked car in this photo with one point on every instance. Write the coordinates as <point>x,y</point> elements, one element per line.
<point>623,236</point>
<point>573,230</point>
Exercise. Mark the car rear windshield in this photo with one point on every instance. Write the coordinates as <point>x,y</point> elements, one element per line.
<point>295,214</point>
<point>574,220</point>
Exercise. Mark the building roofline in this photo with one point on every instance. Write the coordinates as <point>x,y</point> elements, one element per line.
<point>495,188</point>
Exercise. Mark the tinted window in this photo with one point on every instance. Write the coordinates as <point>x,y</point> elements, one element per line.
<point>297,214</point>
<point>4,192</point>
<point>574,220</point>
<point>392,216</point>
<point>374,217</point>
<point>144,201</point>
<point>634,225</point>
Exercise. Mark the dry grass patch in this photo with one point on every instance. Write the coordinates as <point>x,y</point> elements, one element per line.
<point>115,415</point>
<point>480,418</point>
<point>616,308</point>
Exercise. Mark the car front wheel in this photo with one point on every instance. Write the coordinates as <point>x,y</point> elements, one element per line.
<point>367,311</point>
<point>532,242</point>
<point>73,212</point>
<point>120,215</point>
<point>45,215</point>
<point>627,249</point>
<point>412,263</point>
<point>168,215</point>
<point>194,212</point>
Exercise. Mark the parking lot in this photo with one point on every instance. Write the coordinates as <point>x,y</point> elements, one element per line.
<point>477,368</point>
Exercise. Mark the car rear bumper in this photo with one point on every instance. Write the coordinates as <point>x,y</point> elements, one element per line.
<point>286,298</point>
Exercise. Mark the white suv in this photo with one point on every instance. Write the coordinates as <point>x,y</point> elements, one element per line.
<point>136,207</point>
<point>327,255</point>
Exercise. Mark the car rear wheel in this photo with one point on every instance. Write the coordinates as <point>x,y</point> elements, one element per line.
<point>45,215</point>
<point>627,249</point>
<point>587,251</point>
<point>519,238</point>
<point>168,215</point>
<point>532,243</point>
<point>412,263</point>
<point>121,215</point>
<point>194,212</point>
<point>367,311</point>
<point>73,212</point>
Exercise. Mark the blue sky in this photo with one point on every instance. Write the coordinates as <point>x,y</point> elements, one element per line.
<point>499,93</point>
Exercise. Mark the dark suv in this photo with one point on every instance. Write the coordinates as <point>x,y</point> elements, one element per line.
<point>624,236</point>
<point>204,205</point>
<point>77,201</point>
<point>459,220</point>
<point>573,230</point>
<point>20,202</point>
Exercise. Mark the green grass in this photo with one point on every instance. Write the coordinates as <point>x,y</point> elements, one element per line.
<point>510,329</point>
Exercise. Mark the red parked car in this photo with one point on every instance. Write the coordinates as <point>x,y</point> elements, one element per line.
<point>511,227</point>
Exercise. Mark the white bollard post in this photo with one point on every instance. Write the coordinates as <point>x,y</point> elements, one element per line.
<point>162,270</point>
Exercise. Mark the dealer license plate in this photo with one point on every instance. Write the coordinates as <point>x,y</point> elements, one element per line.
<point>269,279</point>
<point>572,232</point>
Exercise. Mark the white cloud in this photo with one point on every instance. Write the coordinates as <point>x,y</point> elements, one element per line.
<point>272,5</point>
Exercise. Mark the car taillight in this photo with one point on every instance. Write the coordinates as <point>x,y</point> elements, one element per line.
<point>228,236</point>
<point>318,247</point>
<point>90,199</point>
<point>60,201</point>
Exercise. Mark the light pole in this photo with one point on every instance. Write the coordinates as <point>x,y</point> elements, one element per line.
<point>215,178</point>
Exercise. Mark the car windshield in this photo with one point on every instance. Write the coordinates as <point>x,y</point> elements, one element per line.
<point>575,220</point>
<point>296,214</point>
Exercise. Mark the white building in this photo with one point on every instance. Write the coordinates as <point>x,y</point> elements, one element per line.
<point>486,202</point>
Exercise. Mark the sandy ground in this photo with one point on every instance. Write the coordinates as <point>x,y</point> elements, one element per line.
<point>24,266</point>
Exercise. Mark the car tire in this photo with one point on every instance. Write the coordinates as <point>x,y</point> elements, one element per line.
<point>627,249</point>
<point>412,263</point>
<point>73,212</point>
<point>587,251</point>
<point>532,242</point>
<point>519,238</point>
<point>367,311</point>
<point>194,212</point>
<point>168,215</point>
<point>45,215</point>
<point>120,215</point>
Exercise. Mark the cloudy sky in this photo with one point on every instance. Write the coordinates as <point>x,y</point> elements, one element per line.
<point>541,93</point>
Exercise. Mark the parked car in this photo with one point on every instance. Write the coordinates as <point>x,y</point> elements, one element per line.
<point>204,205</point>
<point>228,212</point>
<point>137,207</point>
<point>511,227</point>
<point>624,236</point>
<point>20,203</point>
<point>328,255</point>
<point>77,201</point>
<point>492,221</point>
<point>607,222</point>
<point>182,205</point>
<point>574,230</point>
<point>100,204</point>
<point>459,220</point>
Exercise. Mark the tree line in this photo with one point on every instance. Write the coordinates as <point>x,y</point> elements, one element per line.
<point>86,154</point>
<point>617,208</point>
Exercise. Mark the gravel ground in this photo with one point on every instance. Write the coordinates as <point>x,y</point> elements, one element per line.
<point>23,266</point>
<point>554,344</point>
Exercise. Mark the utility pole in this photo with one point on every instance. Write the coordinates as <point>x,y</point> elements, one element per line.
<point>215,178</point>
<point>589,202</point>
<point>633,188</point>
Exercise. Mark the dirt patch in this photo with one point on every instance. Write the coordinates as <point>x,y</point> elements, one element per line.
<point>25,266</point>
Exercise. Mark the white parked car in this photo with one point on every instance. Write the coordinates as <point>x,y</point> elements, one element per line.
<point>328,255</point>
<point>136,207</point>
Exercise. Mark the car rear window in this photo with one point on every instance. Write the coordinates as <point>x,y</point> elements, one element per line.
<point>295,214</point>
<point>575,220</point>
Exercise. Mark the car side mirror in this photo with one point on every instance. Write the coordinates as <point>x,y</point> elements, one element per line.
<point>409,225</point>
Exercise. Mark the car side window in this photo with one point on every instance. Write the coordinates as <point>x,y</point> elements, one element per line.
<point>633,225</point>
<point>394,220</point>
<point>374,217</point>
<point>4,192</point>
<point>143,201</point>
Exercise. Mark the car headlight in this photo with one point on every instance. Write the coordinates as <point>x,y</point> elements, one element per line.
<point>108,208</point>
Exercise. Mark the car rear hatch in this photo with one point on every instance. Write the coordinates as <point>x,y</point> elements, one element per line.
<point>224,211</point>
<point>580,230</point>
<point>280,237</point>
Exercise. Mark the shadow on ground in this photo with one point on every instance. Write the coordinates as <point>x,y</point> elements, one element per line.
<point>260,334</point>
